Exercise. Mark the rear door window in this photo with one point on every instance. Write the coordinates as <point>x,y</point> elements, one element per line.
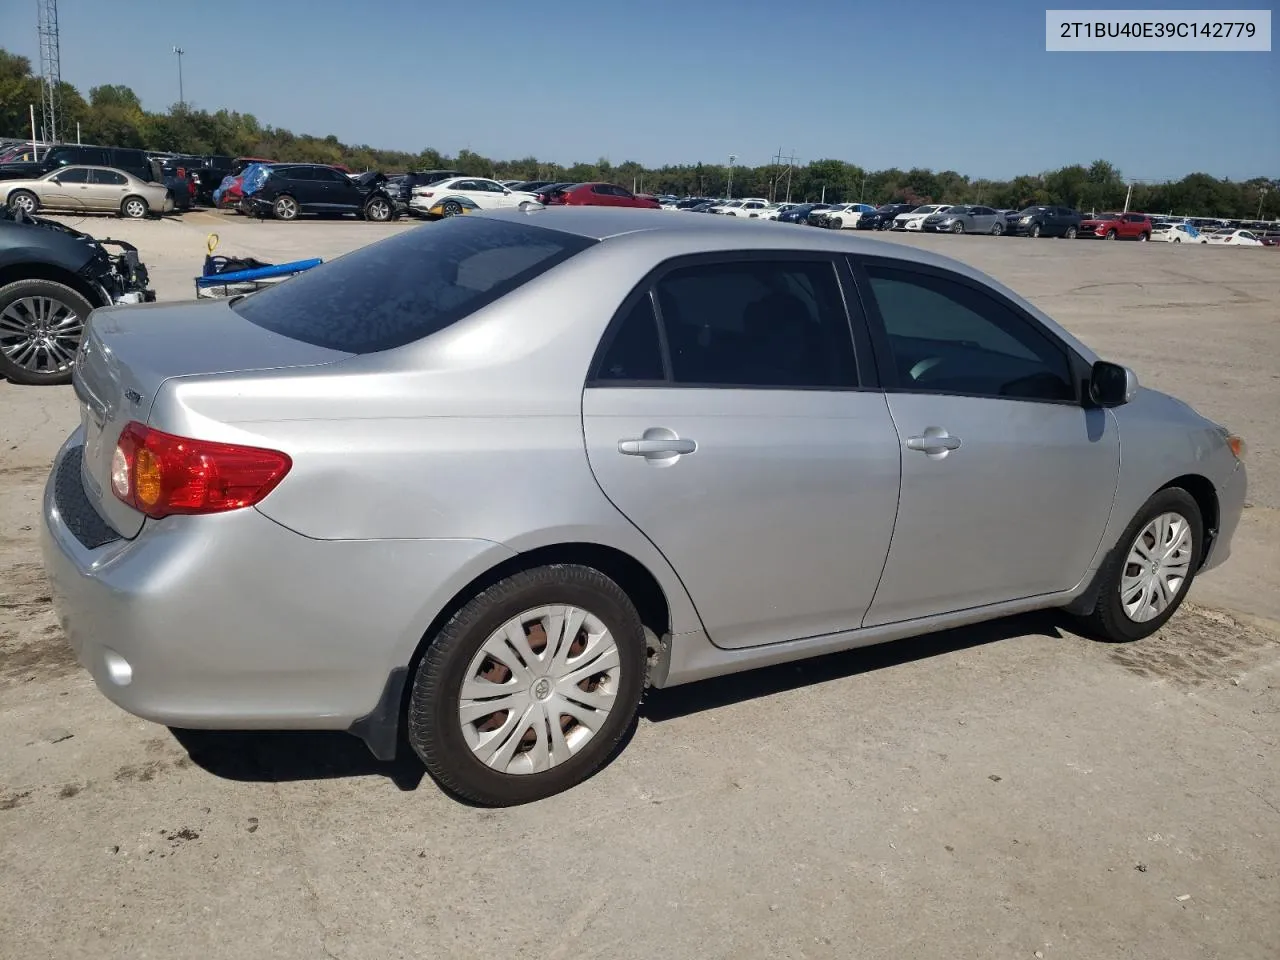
<point>410,286</point>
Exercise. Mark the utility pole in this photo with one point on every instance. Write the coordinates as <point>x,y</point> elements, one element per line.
<point>50,68</point>
<point>1262,192</point>
<point>732,158</point>
<point>1127,197</point>
<point>182,100</point>
<point>791,164</point>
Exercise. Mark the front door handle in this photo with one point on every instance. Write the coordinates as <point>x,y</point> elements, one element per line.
<point>656,448</point>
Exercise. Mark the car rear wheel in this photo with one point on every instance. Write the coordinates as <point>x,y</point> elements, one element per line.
<point>24,200</point>
<point>378,210</point>
<point>451,208</point>
<point>1071,233</point>
<point>529,687</point>
<point>40,327</point>
<point>134,208</point>
<point>1147,576</point>
<point>1177,239</point>
<point>285,208</point>
<point>1144,237</point>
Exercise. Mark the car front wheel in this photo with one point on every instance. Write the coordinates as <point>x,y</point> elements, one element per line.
<point>528,688</point>
<point>41,323</point>
<point>1147,576</point>
<point>378,210</point>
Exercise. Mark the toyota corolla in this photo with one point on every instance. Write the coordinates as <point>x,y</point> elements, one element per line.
<point>481,483</point>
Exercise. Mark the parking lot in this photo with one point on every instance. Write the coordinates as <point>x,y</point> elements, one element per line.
<point>1007,790</point>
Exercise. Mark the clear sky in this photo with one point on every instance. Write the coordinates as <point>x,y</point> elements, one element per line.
<point>948,84</point>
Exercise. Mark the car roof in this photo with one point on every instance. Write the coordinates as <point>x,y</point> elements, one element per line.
<point>658,235</point>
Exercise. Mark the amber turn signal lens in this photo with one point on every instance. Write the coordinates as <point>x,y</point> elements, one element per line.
<point>147,480</point>
<point>1237,446</point>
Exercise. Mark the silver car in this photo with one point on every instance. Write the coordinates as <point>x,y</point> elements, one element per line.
<point>966,218</point>
<point>87,190</point>
<point>483,482</point>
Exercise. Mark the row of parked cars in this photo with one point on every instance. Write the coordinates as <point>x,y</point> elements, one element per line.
<point>1041,220</point>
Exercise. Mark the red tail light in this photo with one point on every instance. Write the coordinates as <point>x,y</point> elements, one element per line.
<point>160,474</point>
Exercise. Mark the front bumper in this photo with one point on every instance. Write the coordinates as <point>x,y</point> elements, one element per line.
<point>232,621</point>
<point>1232,491</point>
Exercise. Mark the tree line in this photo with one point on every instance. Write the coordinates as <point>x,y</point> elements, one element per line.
<point>113,115</point>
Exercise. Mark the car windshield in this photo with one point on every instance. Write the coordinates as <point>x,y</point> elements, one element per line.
<point>410,286</point>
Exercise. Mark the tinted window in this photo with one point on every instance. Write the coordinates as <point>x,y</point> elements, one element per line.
<point>298,173</point>
<point>634,352</point>
<point>109,177</point>
<point>331,176</point>
<point>757,323</point>
<point>949,337</point>
<point>410,286</point>
<point>73,175</point>
<point>602,188</point>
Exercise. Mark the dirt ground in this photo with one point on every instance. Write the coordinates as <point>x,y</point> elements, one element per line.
<point>1008,790</point>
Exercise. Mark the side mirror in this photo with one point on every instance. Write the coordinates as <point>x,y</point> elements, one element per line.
<point>1111,385</point>
<point>507,191</point>
<point>55,180</point>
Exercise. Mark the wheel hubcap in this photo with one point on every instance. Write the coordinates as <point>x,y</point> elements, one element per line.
<point>40,334</point>
<point>25,204</point>
<point>538,689</point>
<point>1156,568</point>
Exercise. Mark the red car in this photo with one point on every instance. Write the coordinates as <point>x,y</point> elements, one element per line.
<point>594,195</point>
<point>1117,226</point>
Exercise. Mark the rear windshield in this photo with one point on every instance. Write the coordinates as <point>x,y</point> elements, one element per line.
<point>409,286</point>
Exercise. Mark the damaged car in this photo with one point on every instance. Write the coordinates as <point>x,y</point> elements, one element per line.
<point>293,189</point>
<point>51,278</point>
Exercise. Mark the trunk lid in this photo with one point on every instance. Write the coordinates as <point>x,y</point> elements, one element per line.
<point>127,353</point>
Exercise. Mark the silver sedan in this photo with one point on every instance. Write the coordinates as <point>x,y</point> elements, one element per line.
<point>966,218</point>
<point>479,484</point>
<point>88,190</point>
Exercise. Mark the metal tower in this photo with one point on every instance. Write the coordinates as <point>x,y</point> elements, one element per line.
<point>50,68</point>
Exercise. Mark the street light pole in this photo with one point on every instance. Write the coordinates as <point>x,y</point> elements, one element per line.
<point>1262,193</point>
<point>732,157</point>
<point>182,100</point>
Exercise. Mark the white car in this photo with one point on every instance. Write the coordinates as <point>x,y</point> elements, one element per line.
<point>1233,238</point>
<point>1175,233</point>
<point>777,208</point>
<point>846,215</point>
<point>752,208</point>
<point>485,194</point>
<point>915,219</point>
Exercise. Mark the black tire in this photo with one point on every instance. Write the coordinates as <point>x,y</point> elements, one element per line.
<point>958,227</point>
<point>285,208</point>
<point>1144,237</point>
<point>1111,234</point>
<point>19,289</point>
<point>1071,233</point>
<point>24,200</point>
<point>1108,620</point>
<point>378,210</point>
<point>134,208</point>
<point>1177,239</point>
<point>1034,231</point>
<point>434,727</point>
<point>997,228</point>
<point>451,208</point>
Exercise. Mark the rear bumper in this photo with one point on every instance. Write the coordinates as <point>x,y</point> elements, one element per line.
<point>235,622</point>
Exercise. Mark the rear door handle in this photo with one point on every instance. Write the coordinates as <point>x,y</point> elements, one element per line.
<point>656,448</point>
<point>933,444</point>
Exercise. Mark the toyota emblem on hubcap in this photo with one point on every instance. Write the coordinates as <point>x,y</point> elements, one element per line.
<point>542,689</point>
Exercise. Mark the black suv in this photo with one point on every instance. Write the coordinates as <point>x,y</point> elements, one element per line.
<point>1045,222</point>
<point>68,154</point>
<point>882,217</point>
<point>296,188</point>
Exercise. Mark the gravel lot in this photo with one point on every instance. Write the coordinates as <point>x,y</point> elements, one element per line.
<point>1009,790</point>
